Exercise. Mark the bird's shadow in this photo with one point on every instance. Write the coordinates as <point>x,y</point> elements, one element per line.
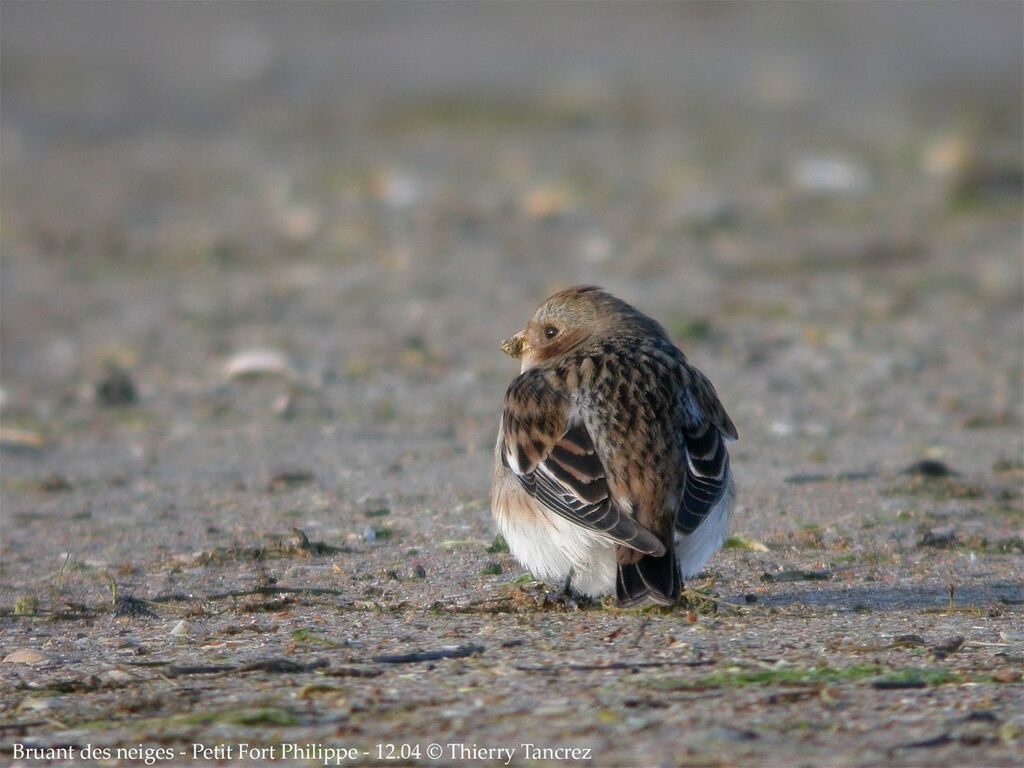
<point>893,598</point>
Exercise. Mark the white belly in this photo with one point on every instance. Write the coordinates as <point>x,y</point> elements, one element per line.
<point>552,548</point>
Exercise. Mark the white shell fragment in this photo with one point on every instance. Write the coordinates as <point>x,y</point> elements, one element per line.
<point>830,174</point>
<point>181,629</point>
<point>255,363</point>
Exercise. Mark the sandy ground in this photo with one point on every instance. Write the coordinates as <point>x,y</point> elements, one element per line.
<point>821,202</point>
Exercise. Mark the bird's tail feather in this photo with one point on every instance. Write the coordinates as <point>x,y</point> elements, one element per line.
<point>650,578</point>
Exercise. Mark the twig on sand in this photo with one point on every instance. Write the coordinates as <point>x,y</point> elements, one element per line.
<point>455,652</point>
<point>279,665</point>
<point>612,666</point>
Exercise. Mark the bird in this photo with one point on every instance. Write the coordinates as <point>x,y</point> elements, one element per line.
<point>611,472</point>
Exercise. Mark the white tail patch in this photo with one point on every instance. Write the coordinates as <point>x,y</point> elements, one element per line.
<point>695,549</point>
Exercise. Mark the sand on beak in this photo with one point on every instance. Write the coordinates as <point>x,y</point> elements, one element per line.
<point>513,347</point>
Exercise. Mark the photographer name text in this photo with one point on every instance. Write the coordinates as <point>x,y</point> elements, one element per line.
<point>325,754</point>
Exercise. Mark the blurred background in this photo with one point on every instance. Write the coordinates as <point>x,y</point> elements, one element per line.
<point>352,203</point>
<point>257,260</point>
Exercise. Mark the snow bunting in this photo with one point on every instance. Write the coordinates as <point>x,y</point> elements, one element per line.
<point>610,471</point>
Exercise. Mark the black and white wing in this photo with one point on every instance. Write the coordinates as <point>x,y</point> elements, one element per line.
<point>554,461</point>
<point>707,459</point>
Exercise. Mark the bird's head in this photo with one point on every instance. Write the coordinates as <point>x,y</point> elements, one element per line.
<point>567,319</point>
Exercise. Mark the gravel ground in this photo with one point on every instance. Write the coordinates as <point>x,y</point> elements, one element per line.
<point>257,261</point>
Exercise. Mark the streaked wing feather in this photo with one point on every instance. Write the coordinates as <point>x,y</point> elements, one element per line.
<point>603,516</point>
<point>700,403</point>
<point>534,418</point>
<point>707,466</point>
<point>556,463</point>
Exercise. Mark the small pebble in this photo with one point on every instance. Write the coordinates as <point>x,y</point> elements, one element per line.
<point>116,389</point>
<point>929,468</point>
<point>25,656</point>
<point>284,406</point>
<point>289,478</point>
<point>940,538</point>
<point>395,188</point>
<point>374,506</point>
<point>128,606</point>
<point>949,156</point>
<point>181,629</point>
<point>54,484</point>
<point>115,676</point>
<point>1006,675</point>
<point>37,705</point>
<point>20,440</point>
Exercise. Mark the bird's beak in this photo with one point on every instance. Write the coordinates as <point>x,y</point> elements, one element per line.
<point>513,347</point>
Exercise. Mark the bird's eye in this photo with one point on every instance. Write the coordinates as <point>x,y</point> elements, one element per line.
<point>551,331</point>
